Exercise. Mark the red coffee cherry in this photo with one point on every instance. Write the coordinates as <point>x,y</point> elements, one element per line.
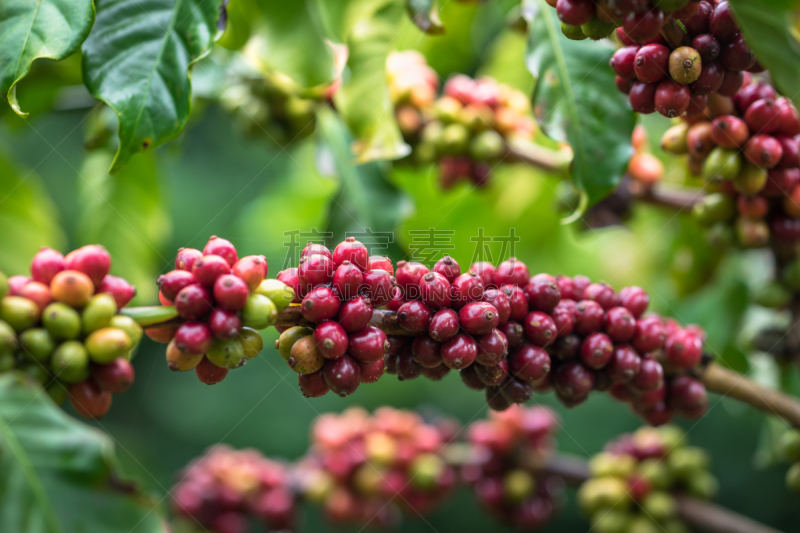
<point>707,46</point>
<point>313,385</point>
<point>763,116</point>
<point>459,352</point>
<point>492,348</point>
<point>116,377</point>
<point>568,289</point>
<point>467,287</point>
<point>623,61</point>
<point>313,248</point>
<point>687,394</point>
<point>193,337</point>
<point>222,248</point>
<point>543,295</point>
<point>444,325</point>
<point>573,381</point>
<point>732,81</point>
<point>290,278</point>
<point>89,400</point>
<point>408,276</point>
<point>603,294</point>
<point>624,364</point>
<point>619,324</point>
<point>540,328</point>
<point>92,260</point>
<point>721,22</point>
<point>729,132</point>
<point>710,79</point>
<point>414,316</point>
<point>567,348</point>
<point>355,314</point>
<point>331,339</point>
<point>491,376</point>
<point>434,290</point>
<point>596,350</point>
<point>230,292</point>
<point>320,304</point>
<point>529,363</point>
<point>371,372</point>
<point>186,257</point>
<point>649,377</point>
<point>398,299</point>
<point>351,250</point>
<point>635,300</point>
<point>314,270</point>
<point>380,262</point>
<point>224,324</point>
<point>684,349</point>
<point>485,271</point>
<point>208,268</point>
<point>517,300</point>
<point>763,151</point>
<point>495,399</point>
<point>378,286</point>
<point>672,99</point>
<point>575,12</point>
<point>514,332</point>
<point>171,283</point>
<point>589,317</point>
<point>209,373</point>
<point>347,280</point>
<point>736,55</point>
<point>193,302</point>
<point>470,378</point>
<point>500,302</point>
<point>649,334</point>
<point>122,291</point>
<point>478,318</point>
<point>698,22</point>
<point>342,375</point>
<point>367,345</point>
<point>641,27</point>
<point>46,264</point>
<point>447,267</point>
<point>651,63</point>
<point>407,368</point>
<point>426,351</point>
<point>642,97</point>
<point>512,272</point>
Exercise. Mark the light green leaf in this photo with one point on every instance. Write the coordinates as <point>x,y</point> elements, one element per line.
<point>28,217</point>
<point>770,35</point>
<point>32,29</point>
<point>125,213</point>
<point>58,475</point>
<point>425,14</point>
<point>576,101</point>
<point>137,61</point>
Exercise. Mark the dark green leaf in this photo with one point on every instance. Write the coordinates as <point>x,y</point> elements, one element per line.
<point>425,14</point>
<point>31,29</point>
<point>769,33</point>
<point>137,60</point>
<point>125,214</point>
<point>58,475</point>
<point>28,218</point>
<point>576,101</point>
<point>366,201</point>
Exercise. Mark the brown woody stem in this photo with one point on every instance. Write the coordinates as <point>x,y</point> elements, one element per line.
<point>671,197</point>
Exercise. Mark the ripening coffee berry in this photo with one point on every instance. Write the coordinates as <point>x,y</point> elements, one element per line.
<point>619,324</point>
<point>186,258</point>
<point>161,334</point>
<point>331,339</point>
<point>434,290</point>
<point>208,268</point>
<point>641,27</point>
<point>92,259</point>
<point>354,314</point>
<point>46,264</point>
<point>459,352</point>
<point>380,262</point>
<point>540,328</point>
<point>492,348</point>
<point>500,302</point>
<point>444,325</point>
<point>589,317</point>
<point>39,293</point>
<point>685,65</point>
<point>709,80</point>
<point>378,286</point>
<point>736,55</point>
<point>485,271</point>
<point>511,272</point>
<point>650,376</point>
<point>290,278</point>
<point>596,350</point>
<point>624,364</point>
<point>314,270</point>
<point>193,302</point>
<point>115,377</point>
<point>542,295</point>
<point>372,372</point>
<point>408,276</point>
<point>635,300</point>
<point>209,373</point>
<point>763,116</point>
<point>575,12</point>
<point>72,288</point>
<point>447,267</point>
<point>414,316</point>
<point>193,337</point>
<point>698,140</point>
<point>230,292</point>
<point>122,291</point>
<point>226,353</point>
<point>252,269</point>
<point>426,351</point>
<point>347,279</point>
<point>351,250</point>
<point>763,151</point>
<point>478,318</point>
<point>623,62</point>
<point>320,304</point>
<point>367,345</point>
<point>642,97</point>
<point>222,248</point>
<point>529,363</point>
<point>342,375</point>
<point>224,324</point>
<point>672,99</point>
<point>289,337</point>
<point>684,349</point>
<point>573,381</point>
<point>305,357</point>
<point>106,344</point>
<point>89,400</point>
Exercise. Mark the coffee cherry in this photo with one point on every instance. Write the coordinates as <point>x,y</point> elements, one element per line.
<point>752,206</point>
<point>314,270</point>
<point>351,250</point>
<point>230,292</point>
<point>619,324</point>
<point>684,349</point>
<point>492,376</point>
<point>347,279</point>
<point>434,290</point>
<point>331,340</point>
<point>788,118</point>
<point>492,348</point>
<point>485,271</point>
<point>729,132</point>
<point>751,93</point>
<point>72,288</point>
<point>304,358</point>
<point>459,352</point>
<point>426,351</point>
<point>624,85</point>
<point>542,295</point>
<point>564,317</point>
<point>707,46</point>
<point>478,318</point>
<point>367,345</point>
<point>687,394</point>
<point>596,350</point>
<point>209,373</point>
<point>698,22</point>
<point>517,300</point>
<point>514,332</point>
<point>186,258</point>
<point>575,12</point>
<point>511,272</point>
<point>312,248</point>
<point>414,316</point>
<point>61,321</point>
<point>642,97</point>
<point>731,83</point>
<point>252,342</point>
<point>224,324</point>
<point>603,294</point>
<point>193,337</point>
<point>380,262</point>
<point>88,400</point>
<point>736,55</point>
<point>540,328</point>
<point>122,291</point>
<point>623,61</point>
<point>763,151</point>
<point>641,27</point>
<point>649,334</point>
<point>635,300</point>
<point>39,293</point>
<point>650,376</point>
<point>685,64</point>
<point>208,268</point>
<point>529,363</point>
<point>92,260</point>
<point>588,317</point>
<point>447,267</point>
<point>252,269</point>
<point>290,278</point>
<point>222,248</point>
<point>115,377</point>
<point>500,302</point>
<point>573,381</point>
<point>70,362</point>
<point>46,264</point>
<point>320,304</point>
<point>709,80</point>
<point>378,286</point>
<point>698,140</point>
<point>342,375</point>
<point>193,302</point>
<point>444,325</point>
<point>624,364</point>
<point>721,22</point>
<point>672,99</point>
<point>763,116</point>
<point>355,314</point>
<point>790,147</point>
<point>408,276</point>
<point>470,378</point>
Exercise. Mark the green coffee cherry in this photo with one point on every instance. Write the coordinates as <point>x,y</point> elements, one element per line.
<point>642,524</point>
<point>432,132</point>
<point>98,312</point>
<point>672,436</point>
<point>57,392</point>
<point>791,275</point>
<point>20,313</point>
<point>574,33</point>
<point>277,291</point>
<point>702,484</point>
<point>37,344</point>
<point>486,146</point>
<point>773,295</point>
<point>289,337</point>
<point>252,342</point>
<point>518,485</point>
<point>659,506</point>
<point>425,153</point>
<point>789,445</point>
<point>722,164</point>
<point>606,464</point>
<point>129,326</point>
<point>8,339</point>
<point>601,494</point>
<point>793,478</point>
<point>7,361</point>
<point>656,472</point>
<point>674,139</point>
<point>455,139</point>
<point>259,312</point>
<point>685,64</point>
<point>70,362</point>
<point>685,462</point>
<point>611,522</point>
<point>750,179</point>
<point>715,207</point>
<point>226,353</point>
<point>106,344</point>
<point>425,471</point>
<point>4,287</point>
<point>62,321</point>
<point>597,29</point>
<point>674,526</point>
<point>447,111</point>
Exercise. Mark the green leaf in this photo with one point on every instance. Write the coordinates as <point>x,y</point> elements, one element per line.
<point>576,101</point>
<point>369,29</point>
<point>425,15</point>
<point>366,201</point>
<point>137,61</point>
<point>28,217</point>
<point>125,213</point>
<point>52,29</point>
<point>58,475</point>
<point>770,34</point>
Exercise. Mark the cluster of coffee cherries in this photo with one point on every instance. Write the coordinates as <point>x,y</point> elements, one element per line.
<point>368,469</point>
<point>634,481</point>
<point>635,21</point>
<point>61,325</point>
<point>337,292</point>
<point>466,129</point>
<point>705,54</point>
<point>746,150</point>
<point>507,452</point>
<point>225,488</point>
<point>221,300</point>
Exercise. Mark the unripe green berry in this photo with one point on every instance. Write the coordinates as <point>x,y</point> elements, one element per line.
<point>252,342</point>
<point>715,207</point>
<point>685,65</point>
<point>226,353</point>
<point>674,139</point>
<point>674,526</point>
<point>425,471</point>
<point>685,462</point>
<point>277,291</point>
<point>455,139</point>
<point>8,339</point>
<point>750,179</point>
<point>672,436</point>
<point>259,312</point>
<point>487,146</point>
<point>793,478</point>
<point>642,524</point>
<point>659,506</point>
<point>702,484</point>
<point>574,33</point>
<point>106,344</point>
<point>98,312</point>
<point>289,337</point>
<point>20,313</point>
<point>606,464</point>
<point>656,472</point>
<point>518,485</point>
<point>129,326</point>
<point>37,344</point>
<point>447,111</point>
<point>597,29</point>
<point>38,372</point>
<point>601,494</point>
<point>611,522</point>
<point>62,321</point>
<point>789,445</point>
<point>722,164</point>
<point>70,362</point>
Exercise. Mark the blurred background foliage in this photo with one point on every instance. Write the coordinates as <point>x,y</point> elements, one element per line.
<point>214,180</point>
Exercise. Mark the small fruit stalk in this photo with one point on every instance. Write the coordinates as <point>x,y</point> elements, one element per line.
<point>225,489</point>
<point>746,150</point>
<point>634,482</point>
<point>62,326</point>
<point>465,130</point>
<point>504,471</point>
<point>368,469</point>
<point>221,301</point>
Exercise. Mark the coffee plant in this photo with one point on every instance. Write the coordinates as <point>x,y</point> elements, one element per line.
<point>459,207</point>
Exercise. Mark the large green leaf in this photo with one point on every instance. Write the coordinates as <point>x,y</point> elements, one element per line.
<point>137,61</point>
<point>369,28</point>
<point>125,213</point>
<point>58,475</point>
<point>576,101</point>
<point>28,218</point>
<point>30,29</point>
<point>769,32</point>
<point>366,201</point>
